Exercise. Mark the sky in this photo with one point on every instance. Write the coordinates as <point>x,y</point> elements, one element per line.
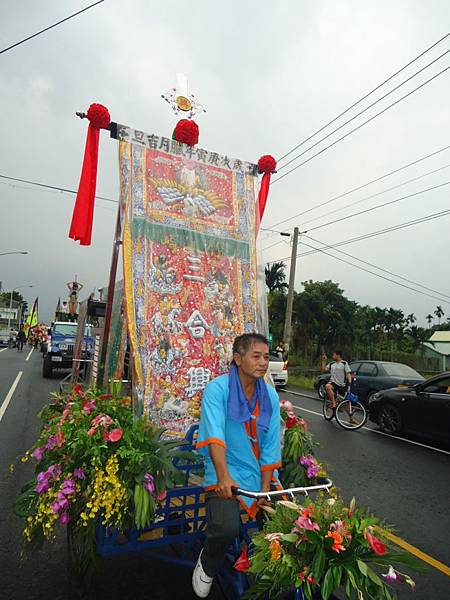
<point>270,74</point>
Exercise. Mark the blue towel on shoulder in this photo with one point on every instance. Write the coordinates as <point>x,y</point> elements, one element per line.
<point>239,408</point>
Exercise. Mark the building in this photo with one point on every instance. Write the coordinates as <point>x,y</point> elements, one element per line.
<point>438,347</point>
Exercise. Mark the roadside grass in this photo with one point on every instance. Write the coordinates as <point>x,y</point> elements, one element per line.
<point>302,381</point>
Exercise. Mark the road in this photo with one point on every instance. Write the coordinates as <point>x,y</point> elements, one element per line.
<point>406,484</point>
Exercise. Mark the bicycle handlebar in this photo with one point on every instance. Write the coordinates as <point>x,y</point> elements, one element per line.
<point>323,484</point>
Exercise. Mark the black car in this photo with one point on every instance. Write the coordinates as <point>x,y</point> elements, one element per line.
<point>373,376</point>
<point>423,409</point>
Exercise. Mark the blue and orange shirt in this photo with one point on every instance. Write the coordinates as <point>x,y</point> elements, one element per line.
<point>249,449</point>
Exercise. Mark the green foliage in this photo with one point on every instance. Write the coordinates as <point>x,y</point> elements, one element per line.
<point>101,464</point>
<point>322,546</point>
<point>276,277</point>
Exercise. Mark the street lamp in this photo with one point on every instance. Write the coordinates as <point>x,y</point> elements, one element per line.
<point>14,252</point>
<point>11,301</point>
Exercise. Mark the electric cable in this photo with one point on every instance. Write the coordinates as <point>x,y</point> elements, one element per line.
<point>394,89</point>
<point>30,37</point>
<point>365,96</point>
<point>423,84</point>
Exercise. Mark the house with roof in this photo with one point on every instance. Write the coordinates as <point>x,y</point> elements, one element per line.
<point>438,347</point>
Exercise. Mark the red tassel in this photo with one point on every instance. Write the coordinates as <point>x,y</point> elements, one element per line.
<point>267,165</point>
<point>83,212</point>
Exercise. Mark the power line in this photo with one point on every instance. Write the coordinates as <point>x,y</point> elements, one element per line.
<point>365,96</point>
<point>53,187</point>
<point>363,123</point>
<point>369,264</point>
<point>378,232</point>
<point>395,187</point>
<point>364,185</point>
<point>355,266</point>
<point>364,110</point>
<point>367,210</point>
<point>30,37</point>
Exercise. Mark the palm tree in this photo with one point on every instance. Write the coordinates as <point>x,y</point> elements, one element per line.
<point>439,313</point>
<point>410,319</point>
<point>276,276</point>
<point>429,318</point>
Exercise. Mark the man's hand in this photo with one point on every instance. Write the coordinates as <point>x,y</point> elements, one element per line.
<point>224,486</point>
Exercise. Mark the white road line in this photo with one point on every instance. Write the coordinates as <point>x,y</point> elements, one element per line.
<point>9,395</point>
<point>3,349</point>
<point>29,354</point>
<point>395,437</point>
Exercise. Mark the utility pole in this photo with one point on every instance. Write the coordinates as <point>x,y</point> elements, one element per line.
<point>290,297</point>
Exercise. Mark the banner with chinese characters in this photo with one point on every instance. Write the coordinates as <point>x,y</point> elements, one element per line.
<point>190,269</point>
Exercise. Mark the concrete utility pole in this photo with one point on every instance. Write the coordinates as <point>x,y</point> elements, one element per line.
<point>290,298</point>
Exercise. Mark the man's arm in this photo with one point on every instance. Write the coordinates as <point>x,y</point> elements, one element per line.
<point>325,365</point>
<point>224,480</point>
<point>348,373</point>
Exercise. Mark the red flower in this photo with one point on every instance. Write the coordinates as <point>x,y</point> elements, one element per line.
<point>291,422</point>
<point>77,389</point>
<point>59,438</point>
<point>186,132</point>
<point>106,396</point>
<point>242,564</point>
<point>377,545</point>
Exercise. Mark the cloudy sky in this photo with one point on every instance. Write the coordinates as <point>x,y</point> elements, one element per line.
<point>270,74</point>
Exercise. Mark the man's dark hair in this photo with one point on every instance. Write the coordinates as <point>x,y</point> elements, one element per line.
<point>244,342</point>
<point>338,352</point>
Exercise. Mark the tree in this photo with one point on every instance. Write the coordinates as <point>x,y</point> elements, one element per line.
<point>276,277</point>
<point>5,299</point>
<point>418,336</point>
<point>439,313</point>
<point>411,319</point>
<point>429,318</point>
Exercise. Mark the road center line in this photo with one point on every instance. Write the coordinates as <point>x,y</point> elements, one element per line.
<point>9,395</point>
<point>3,349</point>
<point>416,552</point>
<point>29,354</point>
<point>388,435</point>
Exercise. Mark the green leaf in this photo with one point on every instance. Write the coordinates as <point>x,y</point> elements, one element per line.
<point>362,567</point>
<point>289,537</point>
<point>327,586</point>
<point>374,577</point>
<point>318,563</point>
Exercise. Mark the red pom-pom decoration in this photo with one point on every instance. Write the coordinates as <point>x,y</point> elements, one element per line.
<point>98,116</point>
<point>267,164</point>
<point>186,132</point>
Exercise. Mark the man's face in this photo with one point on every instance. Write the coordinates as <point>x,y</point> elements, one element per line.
<point>337,357</point>
<point>255,362</point>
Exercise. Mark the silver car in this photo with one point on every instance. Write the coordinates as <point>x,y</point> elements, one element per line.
<point>278,370</point>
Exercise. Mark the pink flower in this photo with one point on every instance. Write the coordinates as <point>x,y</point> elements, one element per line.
<point>59,438</point>
<point>103,420</point>
<point>51,442</point>
<point>149,483</point>
<point>161,496</point>
<point>79,473</point>
<point>286,405</point>
<point>306,524</point>
<point>38,453</point>
<point>64,518</point>
<point>272,537</point>
<point>91,431</point>
<point>88,406</point>
<point>377,545</point>
<point>115,435</point>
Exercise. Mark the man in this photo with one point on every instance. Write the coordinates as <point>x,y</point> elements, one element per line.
<point>239,435</point>
<point>21,339</point>
<point>340,376</point>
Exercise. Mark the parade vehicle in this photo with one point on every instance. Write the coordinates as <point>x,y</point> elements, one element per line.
<point>58,352</point>
<point>372,376</point>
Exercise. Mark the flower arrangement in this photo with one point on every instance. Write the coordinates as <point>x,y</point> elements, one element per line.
<point>95,464</point>
<point>322,546</point>
<point>300,467</point>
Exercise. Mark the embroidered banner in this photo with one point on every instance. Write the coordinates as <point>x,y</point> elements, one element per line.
<point>190,272</point>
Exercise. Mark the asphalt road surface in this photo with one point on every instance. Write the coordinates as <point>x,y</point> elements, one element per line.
<point>408,485</point>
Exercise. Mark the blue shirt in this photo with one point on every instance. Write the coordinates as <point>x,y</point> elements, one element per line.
<point>249,449</point>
